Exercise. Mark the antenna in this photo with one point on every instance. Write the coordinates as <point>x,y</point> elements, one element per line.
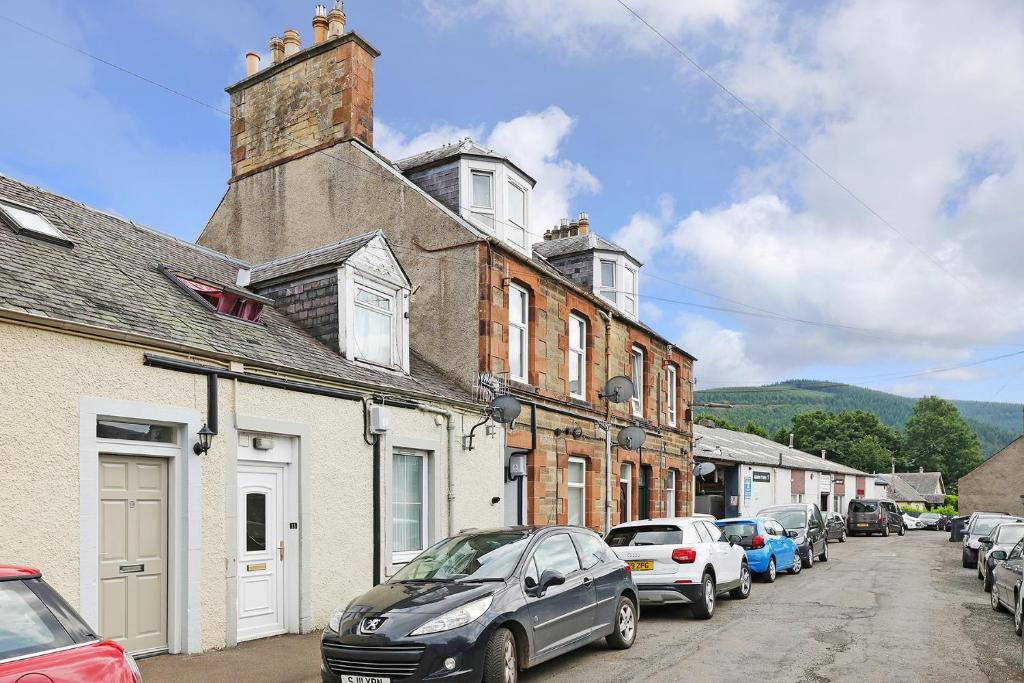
<point>631,438</point>
<point>618,389</point>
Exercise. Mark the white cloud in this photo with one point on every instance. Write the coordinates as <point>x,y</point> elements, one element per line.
<point>724,358</point>
<point>651,313</point>
<point>532,141</point>
<point>645,231</point>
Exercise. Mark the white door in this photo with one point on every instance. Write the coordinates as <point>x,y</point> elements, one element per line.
<point>133,552</point>
<point>261,551</point>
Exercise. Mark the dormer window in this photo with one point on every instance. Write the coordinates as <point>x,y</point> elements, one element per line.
<point>515,231</point>
<point>629,291</point>
<point>606,289</point>
<point>373,330</point>
<point>482,203</point>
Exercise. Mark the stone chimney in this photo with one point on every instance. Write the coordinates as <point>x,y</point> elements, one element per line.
<point>920,470</point>
<point>252,63</point>
<point>584,223</point>
<point>307,100</point>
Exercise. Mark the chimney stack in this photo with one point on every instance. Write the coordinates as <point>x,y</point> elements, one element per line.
<point>336,19</point>
<point>292,43</point>
<point>320,25</point>
<point>822,453</point>
<point>563,229</point>
<point>548,236</point>
<point>920,470</point>
<point>252,63</point>
<point>276,50</point>
<point>791,437</point>
<point>584,223</point>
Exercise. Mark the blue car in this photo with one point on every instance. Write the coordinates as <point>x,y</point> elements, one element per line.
<point>770,548</point>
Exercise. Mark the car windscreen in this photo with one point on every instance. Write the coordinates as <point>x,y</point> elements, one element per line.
<point>791,519</point>
<point>26,624</point>
<point>746,532</point>
<point>651,534</point>
<point>983,525</point>
<point>861,506</point>
<point>472,557</point>
<point>1009,534</point>
<point>929,515</point>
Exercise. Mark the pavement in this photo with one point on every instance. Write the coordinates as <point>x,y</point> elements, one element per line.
<point>882,609</point>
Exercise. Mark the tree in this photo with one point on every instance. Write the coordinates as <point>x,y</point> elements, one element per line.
<point>853,437</point>
<point>754,428</point>
<point>939,439</point>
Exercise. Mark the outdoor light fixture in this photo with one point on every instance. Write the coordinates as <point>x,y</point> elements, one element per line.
<point>205,439</point>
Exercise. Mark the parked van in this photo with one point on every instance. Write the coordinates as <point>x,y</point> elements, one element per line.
<point>874,516</point>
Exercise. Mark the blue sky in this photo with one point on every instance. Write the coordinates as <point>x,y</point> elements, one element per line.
<point>915,113</point>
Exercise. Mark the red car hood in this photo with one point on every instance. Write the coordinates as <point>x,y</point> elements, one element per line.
<point>101,662</point>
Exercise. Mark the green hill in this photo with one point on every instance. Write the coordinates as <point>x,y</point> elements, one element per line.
<point>772,406</point>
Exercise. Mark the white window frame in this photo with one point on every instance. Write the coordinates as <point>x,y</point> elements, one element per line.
<point>578,353</point>
<point>670,493</point>
<point>405,556</point>
<point>577,489</point>
<point>629,296</point>
<point>34,223</point>
<point>672,393</point>
<point>525,227</point>
<point>519,328</point>
<point>626,506</point>
<point>606,292</point>
<point>480,208</point>
<point>357,351</point>
<point>637,400</point>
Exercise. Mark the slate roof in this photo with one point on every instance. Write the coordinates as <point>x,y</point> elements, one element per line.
<point>464,147</point>
<point>901,491</point>
<point>926,484</point>
<point>110,279</point>
<point>715,443</point>
<point>311,260</point>
<point>552,249</point>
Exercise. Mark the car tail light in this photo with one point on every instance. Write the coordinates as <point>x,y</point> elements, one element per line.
<point>629,567</point>
<point>757,542</point>
<point>684,555</point>
<point>881,515</point>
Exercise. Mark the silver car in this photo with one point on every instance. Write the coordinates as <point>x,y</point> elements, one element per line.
<point>1002,537</point>
<point>981,525</point>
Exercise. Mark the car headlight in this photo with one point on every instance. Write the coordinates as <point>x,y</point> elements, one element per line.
<point>460,616</point>
<point>334,624</point>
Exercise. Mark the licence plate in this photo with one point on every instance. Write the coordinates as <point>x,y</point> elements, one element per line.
<point>365,679</point>
<point>642,566</point>
<point>862,525</point>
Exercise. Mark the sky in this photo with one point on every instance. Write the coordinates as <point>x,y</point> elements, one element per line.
<point>846,207</point>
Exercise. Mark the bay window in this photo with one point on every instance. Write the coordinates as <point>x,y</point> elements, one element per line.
<point>482,200</point>
<point>606,288</point>
<point>671,389</point>
<point>373,325</point>
<point>629,291</point>
<point>577,357</point>
<point>409,509</point>
<point>518,333</point>
<point>516,229</point>
<point>577,481</point>
<point>638,381</point>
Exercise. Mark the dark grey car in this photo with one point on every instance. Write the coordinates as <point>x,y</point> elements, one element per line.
<point>806,520</point>
<point>482,606</point>
<point>874,516</point>
<point>835,526</point>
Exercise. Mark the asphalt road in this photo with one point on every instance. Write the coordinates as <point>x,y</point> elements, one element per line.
<point>882,609</point>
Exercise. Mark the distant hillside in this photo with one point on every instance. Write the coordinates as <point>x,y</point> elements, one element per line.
<point>774,405</point>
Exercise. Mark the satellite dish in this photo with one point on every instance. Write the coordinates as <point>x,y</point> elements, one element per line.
<point>632,438</point>
<point>703,469</point>
<point>618,389</point>
<point>505,409</point>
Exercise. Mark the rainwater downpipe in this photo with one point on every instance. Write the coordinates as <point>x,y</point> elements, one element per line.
<point>607,422</point>
<point>452,442</point>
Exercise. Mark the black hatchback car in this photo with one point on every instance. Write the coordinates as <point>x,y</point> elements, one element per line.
<point>484,605</point>
<point>811,533</point>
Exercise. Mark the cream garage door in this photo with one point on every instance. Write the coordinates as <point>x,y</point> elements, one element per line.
<point>133,552</point>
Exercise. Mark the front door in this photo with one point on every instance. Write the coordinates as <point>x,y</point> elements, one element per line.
<point>261,551</point>
<point>133,552</point>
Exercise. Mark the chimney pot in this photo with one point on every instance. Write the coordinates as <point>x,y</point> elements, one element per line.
<point>920,470</point>
<point>547,235</point>
<point>584,223</point>
<point>252,63</point>
<point>320,25</point>
<point>292,42</point>
<point>276,49</point>
<point>336,19</point>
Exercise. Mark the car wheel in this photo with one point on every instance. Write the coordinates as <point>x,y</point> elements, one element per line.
<point>809,562</point>
<point>842,536</point>
<point>772,573</point>
<point>704,606</point>
<point>501,661</point>
<point>798,564</point>
<point>885,530</point>
<point>981,574</point>
<point>1018,617</point>
<point>624,635</point>
<point>742,592</point>
<point>903,529</point>
<point>996,605</point>
<point>988,580</point>
<point>824,553</point>
<point>965,559</point>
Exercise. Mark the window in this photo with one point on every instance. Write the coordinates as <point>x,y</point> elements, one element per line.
<point>122,430</point>
<point>518,333</point>
<point>672,390</point>
<point>408,505</point>
<point>516,229</point>
<point>577,357</point>
<point>638,381</point>
<point>702,533</point>
<point>373,325</point>
<point>643,490</point>
<point>24,220</point>
<point>593,551</point>
<point>625,492</point>
<point>28,626</point>
<point>222,299</point>
<point>607,284</point>
<point>557,553</point>
<point>482,200</point>
<point>255,522</point>
<point>629,292</point>
<point>714,532</point>
<point>577,492</point>
<point>798,497</point>
<point>653,534</point>
<point>670,494</point>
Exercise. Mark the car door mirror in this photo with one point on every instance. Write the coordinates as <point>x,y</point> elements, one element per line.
<point>734,539</point>
<point>792,534</point>
<point>549,578</point>
<point>984,539</point>
<point>998,555</point>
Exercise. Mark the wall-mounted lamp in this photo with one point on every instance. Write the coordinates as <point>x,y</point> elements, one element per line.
<point>205,440</point>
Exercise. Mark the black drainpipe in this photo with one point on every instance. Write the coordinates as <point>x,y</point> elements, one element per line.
<point>376,510</point>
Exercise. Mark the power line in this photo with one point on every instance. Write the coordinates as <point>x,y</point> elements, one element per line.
<point>792,145</point>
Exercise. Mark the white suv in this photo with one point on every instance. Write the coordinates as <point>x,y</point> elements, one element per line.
<point>684,560</point>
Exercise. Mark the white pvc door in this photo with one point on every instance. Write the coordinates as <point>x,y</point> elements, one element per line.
<point>261,551</point>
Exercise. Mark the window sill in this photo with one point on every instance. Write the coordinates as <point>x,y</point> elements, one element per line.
<point>580,402</point>
<point>521,385</point>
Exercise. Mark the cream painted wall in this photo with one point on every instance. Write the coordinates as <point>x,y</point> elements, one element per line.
<point>43,374</point>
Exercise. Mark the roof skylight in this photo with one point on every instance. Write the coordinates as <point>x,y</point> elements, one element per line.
<point>24,220</point>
